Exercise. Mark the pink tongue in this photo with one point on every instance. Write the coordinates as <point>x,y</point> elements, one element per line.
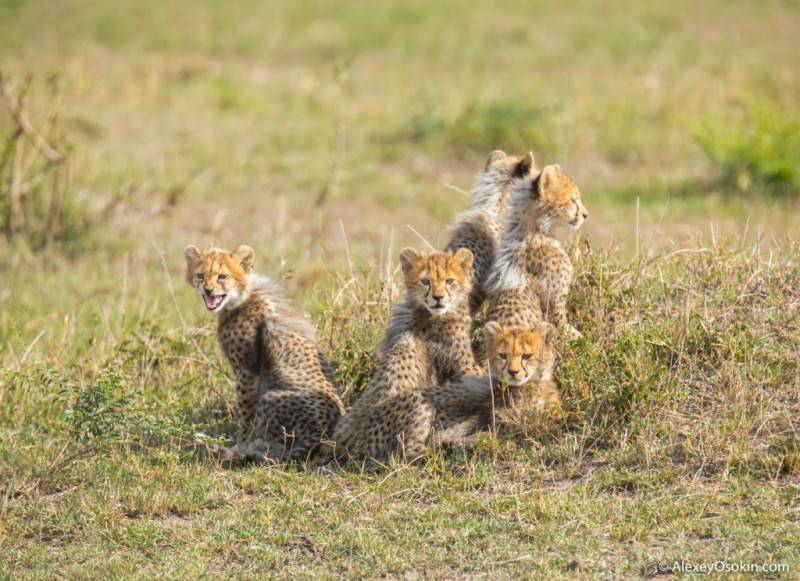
<point>213,301</point>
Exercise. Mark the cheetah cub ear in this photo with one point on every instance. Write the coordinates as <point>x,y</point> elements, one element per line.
<point>495,158</point>
<point>409,257</point>
<point>192,255</point>
<point>246,258</point>
<point>465,257</point>
<point>491,330</point>
<point>524,166</point>
<point>547,182</point>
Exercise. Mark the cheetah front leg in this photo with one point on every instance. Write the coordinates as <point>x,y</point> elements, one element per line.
<point>554,282</point>
<point>456,360</point>
<point>558,316</point>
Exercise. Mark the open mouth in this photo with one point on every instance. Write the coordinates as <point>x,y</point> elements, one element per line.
<point>213,301</point>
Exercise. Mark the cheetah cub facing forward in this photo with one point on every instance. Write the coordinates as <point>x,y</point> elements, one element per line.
<point>521,365</point>
<point>427,343</point>
<point>532,272</point>
<point>521,362</point>
<point>285,395</point>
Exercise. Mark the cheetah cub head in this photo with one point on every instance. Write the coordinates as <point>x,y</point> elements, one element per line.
<point>219,276</point>
<point>551,196</point>
<point>519,355</point>
<point>440,281</point>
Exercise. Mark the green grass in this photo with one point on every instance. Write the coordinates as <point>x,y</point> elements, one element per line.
<point>221,123</point>
<point>678,442</point>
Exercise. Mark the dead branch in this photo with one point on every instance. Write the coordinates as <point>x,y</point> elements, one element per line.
<point>20,116</point>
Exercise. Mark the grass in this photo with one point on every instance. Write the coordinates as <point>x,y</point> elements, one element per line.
<point>678,443</point>
<point>222,124</point>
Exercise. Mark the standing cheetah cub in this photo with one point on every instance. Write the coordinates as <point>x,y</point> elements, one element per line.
<point>532,272</point>
<point>285,394</point>
<point>480,228</point>
<point>427,343</point>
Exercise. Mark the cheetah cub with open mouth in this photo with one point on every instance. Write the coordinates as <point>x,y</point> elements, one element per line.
<point>286,400</point>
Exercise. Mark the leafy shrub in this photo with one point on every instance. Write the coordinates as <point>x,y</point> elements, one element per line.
<point>760,149</point>
<point>105,412</point>
<point>98,410</point>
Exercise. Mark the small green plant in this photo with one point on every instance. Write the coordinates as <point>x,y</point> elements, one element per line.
<point>105,412</point>
<point>99,410</point>
<point>761,149</point>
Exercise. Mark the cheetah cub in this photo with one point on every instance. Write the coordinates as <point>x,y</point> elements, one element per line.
<point>409,422</point>
<point>521,365</point>
<point>521,360</point>
<point>480,228</point>
<point>427,343</point>
<point>532,272</point>
<point>286,401</point>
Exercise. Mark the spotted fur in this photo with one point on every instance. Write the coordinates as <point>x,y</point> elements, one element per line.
<point>427,343</point>
<point>480,228</point>
<point>409,422</point>
<point>521,364</point>
<point>285,393</point>
<point>531,262</point>
<point>520,355</point>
